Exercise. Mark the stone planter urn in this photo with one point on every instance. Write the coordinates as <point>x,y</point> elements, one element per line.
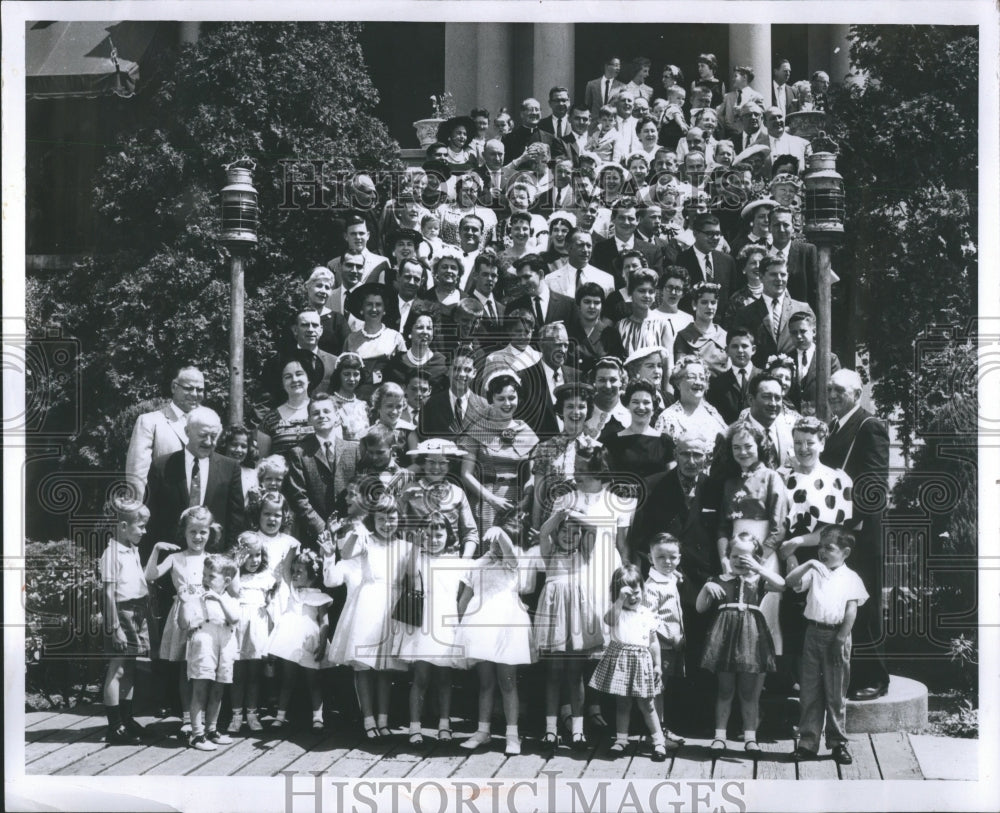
<point>806,123</point>
<point>427,130</point>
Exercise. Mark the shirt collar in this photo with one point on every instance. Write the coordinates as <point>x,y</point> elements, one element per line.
<point>656,576</point>
<point>847,416</point>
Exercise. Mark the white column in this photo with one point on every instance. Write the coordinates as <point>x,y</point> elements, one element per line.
<point>460,57</point>
<point>553,54</point>
<point>494,68</point>
<point>751,45</point>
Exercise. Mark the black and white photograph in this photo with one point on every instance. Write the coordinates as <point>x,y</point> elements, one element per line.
<point>436,406</point>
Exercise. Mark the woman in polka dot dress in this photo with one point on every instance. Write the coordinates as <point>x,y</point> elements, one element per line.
<point>817,496</point>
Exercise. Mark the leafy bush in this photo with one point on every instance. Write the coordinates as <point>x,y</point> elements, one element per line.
<point>63,619</point>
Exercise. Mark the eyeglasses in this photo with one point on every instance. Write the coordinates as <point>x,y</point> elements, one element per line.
<point>674,289</point>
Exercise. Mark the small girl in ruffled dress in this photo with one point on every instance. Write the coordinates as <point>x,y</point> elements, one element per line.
<point>630,666</point>
<point>299,636</point>
<point>257,586</point>
<point>567,624</point>
<point>739,647</point>
<point>372,561</point>
<point>185,566</point>
<point>494,633</point>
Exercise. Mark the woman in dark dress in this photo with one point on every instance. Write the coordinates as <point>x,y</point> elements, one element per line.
<point>419,356</point>
<point>639,449</point>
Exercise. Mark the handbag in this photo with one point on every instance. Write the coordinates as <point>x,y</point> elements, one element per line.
<point>409,607</point>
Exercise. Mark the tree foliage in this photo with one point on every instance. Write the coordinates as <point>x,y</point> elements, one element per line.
<point>156,294</point>
<point>908,140</point>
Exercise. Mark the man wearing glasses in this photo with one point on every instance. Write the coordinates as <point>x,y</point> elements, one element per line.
<point>162,431</point>
<point>751,119</point>
<point>704,262</point>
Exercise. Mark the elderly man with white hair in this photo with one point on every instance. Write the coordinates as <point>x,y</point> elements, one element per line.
<point>859,444</point>
<point>195,475</point>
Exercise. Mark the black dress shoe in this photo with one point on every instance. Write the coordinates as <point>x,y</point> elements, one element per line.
<point>135,728</point>
<point>120,735</point>
<point>841,755</point>
<point>868,692</point>
<point>801,754</point>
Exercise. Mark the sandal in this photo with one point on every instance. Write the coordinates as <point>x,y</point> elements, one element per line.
<point>416,738</point>
<point>371,734</point>
<point>579,742</point>
<point>444,735</point>
<point>550,741</point>
<point>751,747</point>
<point>619,746</point>
<point>718,746</point>
<point>384,731</point>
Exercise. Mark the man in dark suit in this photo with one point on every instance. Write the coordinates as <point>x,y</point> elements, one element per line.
<point>517,140</point>
<point>859,444</point>
<point>578,136</point>
<point>483,282</point>
<point>318,364</point>
<point>770,331</point>
<point>536,298</point>
<point>491,172</point>
<point>801,258</point>
<point>562,195</point>
<point>802,327</point>
<point>449,414</point>
<point>196,475</point>
<point>729,392</point>
<point>319,470</point>
<point>536,400</point>
<point>607,253</point>
<point>753,132</point>
<point>558,123</point>
<point>705,263</point>
<point>402,309</point>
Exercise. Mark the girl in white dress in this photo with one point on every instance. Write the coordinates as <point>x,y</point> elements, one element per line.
<point>363,638</point>
<point>495,631</point>
<point>257,585</point>
<point>280,547</point>
<point>299,636</point>
<point>185,567</point>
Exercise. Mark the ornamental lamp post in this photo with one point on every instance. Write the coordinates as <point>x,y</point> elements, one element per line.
<point>239,234</point>
<point>824,226</point>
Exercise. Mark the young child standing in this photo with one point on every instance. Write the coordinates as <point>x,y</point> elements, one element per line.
<point>299,636</point>
<point>279,547</point>
<point>126,618</point>
<point>211,652</point>
<point>630,665</point>
<point>834,594</point>
<point>494,632</point>
<point>660,594</point>
<point>567,625</point>
<point>738,647</point>
<point>373,566</point>
<point>257,585</point>
<point>185,568</point>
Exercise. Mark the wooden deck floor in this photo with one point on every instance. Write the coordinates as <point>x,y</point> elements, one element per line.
<point>72,743</point>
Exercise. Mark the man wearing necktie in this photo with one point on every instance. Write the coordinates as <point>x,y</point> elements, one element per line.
<point>319,470</point>
<point>729,392</point>
<point>740,94</point>
<point>602,91</point>
<point>705,263</point>
<point>802,328</point>
<point>536,407</point>
<point>558,122</point>
<point>765,412</point>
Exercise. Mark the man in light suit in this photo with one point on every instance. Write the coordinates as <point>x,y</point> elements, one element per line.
<point>802,327</point>
<point>603,91</point>
<point>758,317</point>
<point>729,112</point>
<point>578,269</point>
<point>859,444</point>
<point>752,130</point>
<point>782,95</point>
<point>319,470</point>
<point>172,480</point>
<point>161,432</point>
<point>781,142</point>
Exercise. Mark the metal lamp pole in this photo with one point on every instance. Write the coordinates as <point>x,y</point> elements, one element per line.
<point>239,233</point>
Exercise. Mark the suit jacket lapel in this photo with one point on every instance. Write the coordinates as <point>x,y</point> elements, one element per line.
<point>173,416</point>
<point>320,455</point>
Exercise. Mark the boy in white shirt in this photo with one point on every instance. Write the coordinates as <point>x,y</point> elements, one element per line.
<point>835,592</point>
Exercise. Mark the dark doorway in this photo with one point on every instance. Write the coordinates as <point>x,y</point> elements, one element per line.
<point>406,64</point>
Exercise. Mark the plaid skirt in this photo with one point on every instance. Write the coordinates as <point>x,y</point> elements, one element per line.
<point>626,670</point>
<point>133,617</point>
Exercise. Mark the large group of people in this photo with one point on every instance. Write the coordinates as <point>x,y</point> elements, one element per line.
<point>548,415</point>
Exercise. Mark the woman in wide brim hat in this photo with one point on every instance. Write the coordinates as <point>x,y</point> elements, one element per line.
<point>374,342</point>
